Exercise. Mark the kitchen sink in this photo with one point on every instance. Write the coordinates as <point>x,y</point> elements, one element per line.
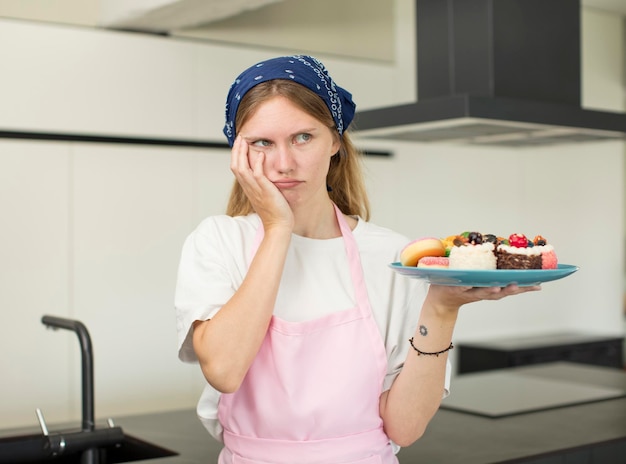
<point>36,449</point>
<point>87,445</point>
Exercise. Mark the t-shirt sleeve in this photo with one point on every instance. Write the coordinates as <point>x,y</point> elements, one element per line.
<point>204,283</point>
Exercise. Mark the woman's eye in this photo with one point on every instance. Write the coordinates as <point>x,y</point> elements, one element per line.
<point>261,143</point>
<point>302,138</point>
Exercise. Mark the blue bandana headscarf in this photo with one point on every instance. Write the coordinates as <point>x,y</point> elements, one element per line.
<point>304,70</point>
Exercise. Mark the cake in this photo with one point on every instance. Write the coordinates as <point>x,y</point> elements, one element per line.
<point>510,257</point>
<point>471,251</point>
<point>474,250</point>
<point>548,255</point>
<point>436,262</point>
<point>420,248</point>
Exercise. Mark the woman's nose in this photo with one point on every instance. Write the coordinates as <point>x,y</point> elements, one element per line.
<point>284,161</point>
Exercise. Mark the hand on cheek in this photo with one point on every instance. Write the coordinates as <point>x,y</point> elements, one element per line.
<point>257,162</point>
<point>239,157</point>
<point>246,162</point>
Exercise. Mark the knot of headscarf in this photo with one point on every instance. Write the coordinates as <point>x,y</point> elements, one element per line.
<point>305,70</point>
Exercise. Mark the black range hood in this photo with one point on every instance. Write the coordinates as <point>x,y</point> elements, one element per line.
<point>496,72</point>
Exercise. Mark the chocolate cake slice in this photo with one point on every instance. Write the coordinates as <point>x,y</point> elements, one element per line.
<point>508,257</point>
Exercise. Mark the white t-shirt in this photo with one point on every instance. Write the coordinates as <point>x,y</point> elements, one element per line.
<point>315,281</point>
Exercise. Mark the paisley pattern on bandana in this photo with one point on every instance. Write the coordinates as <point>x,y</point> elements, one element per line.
<point>305,70</point>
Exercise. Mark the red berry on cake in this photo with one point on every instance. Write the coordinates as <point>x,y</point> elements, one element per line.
<point>518,240</point>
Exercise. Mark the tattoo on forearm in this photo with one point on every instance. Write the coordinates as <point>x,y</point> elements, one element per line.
<point>423,330</point>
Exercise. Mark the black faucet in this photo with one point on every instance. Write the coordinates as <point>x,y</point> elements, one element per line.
<point>88,440</point>
<point>88,422</point>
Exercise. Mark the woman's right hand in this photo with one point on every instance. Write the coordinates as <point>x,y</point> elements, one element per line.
<point>268,202</point>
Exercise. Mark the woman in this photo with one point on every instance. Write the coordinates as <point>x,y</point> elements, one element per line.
<point>287,302</point>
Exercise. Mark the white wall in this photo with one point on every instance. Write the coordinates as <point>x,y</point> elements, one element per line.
<point>93,231</point>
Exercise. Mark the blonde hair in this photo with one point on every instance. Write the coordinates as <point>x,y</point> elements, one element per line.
<point>345,174</point>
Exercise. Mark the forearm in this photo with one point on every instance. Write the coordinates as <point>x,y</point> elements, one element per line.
<point>415,395</point>
<point>227,344</point>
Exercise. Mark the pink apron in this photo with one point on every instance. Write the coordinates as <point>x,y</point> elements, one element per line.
<point>312,393</point>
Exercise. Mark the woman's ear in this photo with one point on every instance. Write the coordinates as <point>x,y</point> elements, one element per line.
<point>336,145</point>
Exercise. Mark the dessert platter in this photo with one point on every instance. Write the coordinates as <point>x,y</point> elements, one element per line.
<point>475,260</point>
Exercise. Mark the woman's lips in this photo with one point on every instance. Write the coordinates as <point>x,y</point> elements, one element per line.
<point>286,183</point>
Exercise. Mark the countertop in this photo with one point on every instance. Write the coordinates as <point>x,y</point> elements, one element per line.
<point>452,436</point>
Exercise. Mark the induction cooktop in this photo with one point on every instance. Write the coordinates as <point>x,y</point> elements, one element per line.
<point>507,392</point>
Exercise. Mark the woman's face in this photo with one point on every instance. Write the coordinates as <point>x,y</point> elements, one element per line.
<point>297,149</point>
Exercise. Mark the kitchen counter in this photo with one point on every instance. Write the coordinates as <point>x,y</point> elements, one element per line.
<point>591,432</point>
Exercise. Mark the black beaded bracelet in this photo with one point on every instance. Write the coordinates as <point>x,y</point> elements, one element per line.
<point>425,353</point>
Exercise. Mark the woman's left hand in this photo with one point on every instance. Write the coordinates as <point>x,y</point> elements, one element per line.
<point>444,297</point>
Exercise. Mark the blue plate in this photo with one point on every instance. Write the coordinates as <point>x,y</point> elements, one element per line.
<point>483,278</point>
